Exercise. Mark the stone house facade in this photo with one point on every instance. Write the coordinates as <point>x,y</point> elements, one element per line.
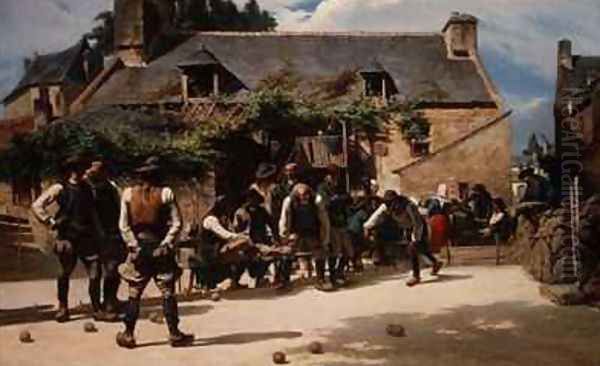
<point>440,70</point>
<point>577,116</point>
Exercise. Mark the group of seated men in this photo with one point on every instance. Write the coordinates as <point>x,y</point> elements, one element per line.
<point>322,229</point>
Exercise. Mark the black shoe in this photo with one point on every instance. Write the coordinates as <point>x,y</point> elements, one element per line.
<point>126,340</point>
<point>111,317</point>
<point>324,286</point>
<point>100,316</point>
<point>341,282</point>
<point>436,268</point>
<point>62,315</point>
<point>180,339</point>
<point>283,286</point>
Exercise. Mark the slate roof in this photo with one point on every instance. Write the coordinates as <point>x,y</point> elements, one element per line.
<point>417,63</point>
<point>48,69</point>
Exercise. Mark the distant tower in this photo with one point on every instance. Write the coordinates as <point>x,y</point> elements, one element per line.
<point>138,23</point>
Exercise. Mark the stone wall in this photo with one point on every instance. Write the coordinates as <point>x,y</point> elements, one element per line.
<point>468,161</point>
<point>21,106</point>
<point>483,158</point>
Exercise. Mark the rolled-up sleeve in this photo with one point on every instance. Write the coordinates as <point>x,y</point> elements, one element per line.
<point>175,223</point>
<point>40,206</point>
<point>284,220</point>
<point>124,224</point>
<point>375,217</point>
<point>325,227</point>
<point>212,224</point>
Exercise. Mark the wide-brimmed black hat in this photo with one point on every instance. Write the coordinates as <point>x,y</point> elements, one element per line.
<point>150,165</point>
<point>75,162</point>
<point>389,196</point>
<point>265,170</point>
<point>526,173</point>
<point>499,202</point>
<point>479,188</point>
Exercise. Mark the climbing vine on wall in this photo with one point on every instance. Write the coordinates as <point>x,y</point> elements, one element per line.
<point>126,137</point>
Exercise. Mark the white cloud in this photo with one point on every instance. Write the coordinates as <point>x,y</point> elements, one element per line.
<point>524,30</point>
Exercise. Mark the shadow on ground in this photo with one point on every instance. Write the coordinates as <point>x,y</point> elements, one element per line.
<point>232,339</point>
<point>508,333</point>
<point>46,312</point>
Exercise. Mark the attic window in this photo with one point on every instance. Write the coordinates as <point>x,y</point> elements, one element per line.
<point>377,81</point>
<point>375,85</point>
<point>200,82</point>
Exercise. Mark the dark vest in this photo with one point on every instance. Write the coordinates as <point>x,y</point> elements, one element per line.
<point>76,209</point>
<point>305,219</point>
<point>259,222</point>
<point>107,203</point>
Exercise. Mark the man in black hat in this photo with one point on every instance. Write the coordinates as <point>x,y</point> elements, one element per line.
<point>112,253</point>
<point>406,214</point>
<point>254,220</point>
<point>150,222</point>
<point>78,232</point>
<point>264,184</point>
<point>283,188</point>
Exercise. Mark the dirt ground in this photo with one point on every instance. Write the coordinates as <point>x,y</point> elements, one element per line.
<point>472,315</point>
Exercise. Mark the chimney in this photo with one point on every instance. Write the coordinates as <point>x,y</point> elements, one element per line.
<point>138,23</point>
<point>565,54</point>
<point>129,31</point>
<point>460,35</point>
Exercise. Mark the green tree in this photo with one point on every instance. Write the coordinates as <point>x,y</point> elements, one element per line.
<point>103,33</point>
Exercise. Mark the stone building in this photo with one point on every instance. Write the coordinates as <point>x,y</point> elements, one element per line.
<point>52,82</point>
<point>441,71</point>
<point>577,115</point>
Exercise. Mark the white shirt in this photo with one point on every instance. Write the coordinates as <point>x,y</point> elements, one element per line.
<point>211,223</point>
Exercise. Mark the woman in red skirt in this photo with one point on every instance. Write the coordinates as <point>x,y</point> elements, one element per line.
<point>439,220</point>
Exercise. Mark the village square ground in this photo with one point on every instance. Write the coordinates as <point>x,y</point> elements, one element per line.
<point>471,315</point>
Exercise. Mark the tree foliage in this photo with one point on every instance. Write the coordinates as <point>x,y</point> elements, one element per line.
<point>281,109</point>
<point>203,15</point>
<point>224,15</point>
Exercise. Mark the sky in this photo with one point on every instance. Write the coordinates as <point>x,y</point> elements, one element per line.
<point>518,38</point>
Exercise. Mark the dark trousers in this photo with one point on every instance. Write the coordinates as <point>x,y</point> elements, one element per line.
<point>415,250</point>
<point>164,272</point>
<point>257,269</point>
<point>283,269</point>
<point>358,243</point>
<point>68,261</point>
<point>111,283</point>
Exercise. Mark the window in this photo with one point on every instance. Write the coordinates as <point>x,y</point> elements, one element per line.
<point>374,85</point>
<point>21,192</point>
<point>463,191</point>
<point>419,148</point>
<point>203,84</point>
